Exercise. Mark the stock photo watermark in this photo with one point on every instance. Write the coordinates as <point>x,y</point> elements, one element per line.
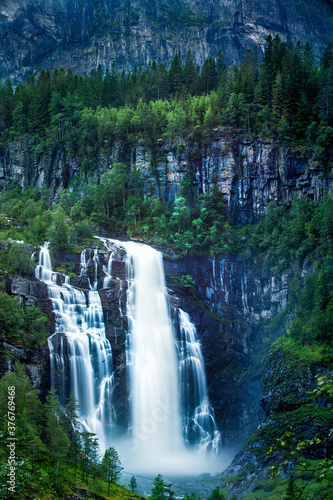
<point>149,425</point>
<point>12,439</point>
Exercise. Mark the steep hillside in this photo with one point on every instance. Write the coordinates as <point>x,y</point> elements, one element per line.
<point>84,33</point>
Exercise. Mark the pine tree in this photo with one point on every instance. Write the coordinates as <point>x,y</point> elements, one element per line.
<point>39,107</point>
<point>72,413</point>
<point>56,437</point>
<point>158,491</point>
<point>190,74</point>
<point>6,108</point>
<point>170,494</point>
<point>176,74</point>
<point>133,485</point>
<point>75,449</point>
<point>292,491</point>
<point>112,466</point>
<point>88,454</point>
<point>58,232</point>
<point>208,77</point>
<point>216,494</point>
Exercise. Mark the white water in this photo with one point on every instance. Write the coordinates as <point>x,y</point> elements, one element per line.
<point>108,271</point>
<point>152,356</point>
<point>198,416</point>
<point>162,374</point>
<point>80,355</point>
<point>172,429</point>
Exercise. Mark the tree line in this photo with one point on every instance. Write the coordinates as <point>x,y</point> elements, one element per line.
<point>284,94</point>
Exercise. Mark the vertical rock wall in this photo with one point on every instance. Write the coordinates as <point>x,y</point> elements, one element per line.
<point>250,173</point>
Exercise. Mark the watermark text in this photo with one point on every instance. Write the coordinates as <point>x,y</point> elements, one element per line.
<point>12,438</point>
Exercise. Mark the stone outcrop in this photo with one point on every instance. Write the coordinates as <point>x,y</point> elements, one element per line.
<point>36,360</point>
<point>81,34</point>
<point>286,400</point>
<point>250,172</point>
<point>230,307</point>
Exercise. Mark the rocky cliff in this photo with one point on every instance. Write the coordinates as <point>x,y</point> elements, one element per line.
<point>250,172</point>
<point>82,34</point>
<point>289,408</point>
<point>229,303</point>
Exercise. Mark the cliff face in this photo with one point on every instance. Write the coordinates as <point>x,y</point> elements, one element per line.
<point>229,305</point>
<point>250,173</point>
<point>35,360</point>
<point>286,400</point>
<point>84,33</point>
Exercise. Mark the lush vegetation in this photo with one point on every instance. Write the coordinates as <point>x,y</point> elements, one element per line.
<point>52,454</point>
<point>285,94</point>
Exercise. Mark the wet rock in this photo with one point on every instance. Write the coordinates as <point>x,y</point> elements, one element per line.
<point>250,173</point>
<point>113,301</point>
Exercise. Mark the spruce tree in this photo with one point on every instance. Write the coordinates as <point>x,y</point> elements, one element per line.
<point>292,491</point>
<point>158,491</point>
<point>88,454</point>
<point>112,466</point>
<point>56,437</point>
<point>208,77</point>
<point>190,74</point>
<point>133,484</point>
<point>176,74</point>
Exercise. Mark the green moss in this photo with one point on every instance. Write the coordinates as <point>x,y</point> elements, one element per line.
<point>233,479</point>
<point>304,420</point>
<point>303,355</point>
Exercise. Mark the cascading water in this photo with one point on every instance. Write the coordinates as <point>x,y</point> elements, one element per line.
<point>198,416</point>
<point>108,271</point>
<point>80,355</point>
<point>172,427</point>
<point>151,355</point>
<point>170,410</point>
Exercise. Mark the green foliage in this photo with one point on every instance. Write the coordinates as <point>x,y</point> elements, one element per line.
<point>16,259</point>
<point>112,466</point>
<point>187,282</point>
<point>216,495</point>
<point>133,484</point>
<point>179,16</point>
<point>294,449</point>
<point>158,490</point>
<point>285,95</point>
<point>11,316</point>
<point>56,437</point>
<point>49,447</point>
<point>25,325</point>
<point>58,233</point>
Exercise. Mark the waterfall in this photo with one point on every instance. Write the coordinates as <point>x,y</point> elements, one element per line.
<point>80,355</point>
<point>199,425</point>
<point>151,354</point>
<point>108,271</point>
<point>172,426</point>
